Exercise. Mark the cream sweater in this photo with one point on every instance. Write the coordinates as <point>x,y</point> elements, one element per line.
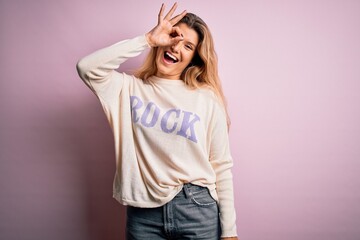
<point>165,134</point>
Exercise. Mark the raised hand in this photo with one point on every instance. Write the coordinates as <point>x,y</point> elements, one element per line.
<point>165,33</point>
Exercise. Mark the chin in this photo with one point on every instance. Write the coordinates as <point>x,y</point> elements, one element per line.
<point>161,70</point>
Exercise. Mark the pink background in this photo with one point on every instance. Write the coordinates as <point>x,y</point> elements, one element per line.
<point>291,74</point>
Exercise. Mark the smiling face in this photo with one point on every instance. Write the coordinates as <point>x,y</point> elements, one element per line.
<point>172,60</point>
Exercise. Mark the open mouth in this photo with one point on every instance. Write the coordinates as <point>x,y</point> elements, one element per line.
<point>170,58</point>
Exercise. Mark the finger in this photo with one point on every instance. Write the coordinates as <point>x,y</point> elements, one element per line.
<point>171,12</point>
<point>161,13</point>
<point>175,40</point>
<point>176,32</point>
<point>177,18</point>
<point>176,35</point>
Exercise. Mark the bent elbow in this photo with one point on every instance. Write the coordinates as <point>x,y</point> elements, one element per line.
<point>81,68</point>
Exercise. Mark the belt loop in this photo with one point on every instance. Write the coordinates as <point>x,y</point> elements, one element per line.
<point>186,190</point>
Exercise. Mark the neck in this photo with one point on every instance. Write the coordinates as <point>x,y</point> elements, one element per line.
<point>167,76</point>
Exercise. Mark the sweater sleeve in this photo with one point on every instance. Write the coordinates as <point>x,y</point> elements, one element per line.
<point>97,70</point>
<point>221,161</point>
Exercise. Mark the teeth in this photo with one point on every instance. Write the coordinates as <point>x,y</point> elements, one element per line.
<point>171,56</point>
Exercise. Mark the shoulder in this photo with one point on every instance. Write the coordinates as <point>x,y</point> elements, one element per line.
<point>209,94</point>
<point>212,99</point>
<point>132,79</point>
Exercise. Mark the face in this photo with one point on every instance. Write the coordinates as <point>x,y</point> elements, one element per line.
<point>172,60</point>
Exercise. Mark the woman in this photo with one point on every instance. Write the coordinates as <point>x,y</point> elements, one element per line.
<point>170,130</point>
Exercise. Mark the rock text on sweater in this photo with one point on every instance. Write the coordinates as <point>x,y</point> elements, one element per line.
<point>172,121</point>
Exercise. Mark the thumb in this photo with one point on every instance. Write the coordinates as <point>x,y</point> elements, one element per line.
<point>176,39</point>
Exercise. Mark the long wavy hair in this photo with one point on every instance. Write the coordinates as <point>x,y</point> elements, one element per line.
<point>203,69</point>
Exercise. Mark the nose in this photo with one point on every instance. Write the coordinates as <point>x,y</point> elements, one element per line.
<point>176,47</point>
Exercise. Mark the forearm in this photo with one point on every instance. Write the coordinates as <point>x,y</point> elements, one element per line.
<point>100,64</point>
<point>225,191</point>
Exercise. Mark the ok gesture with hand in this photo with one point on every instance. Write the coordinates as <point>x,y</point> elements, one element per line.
<point>165,33</point>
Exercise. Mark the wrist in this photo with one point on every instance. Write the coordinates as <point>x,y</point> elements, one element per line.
<point>148,39</point>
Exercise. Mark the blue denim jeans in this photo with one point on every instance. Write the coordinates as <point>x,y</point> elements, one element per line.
<point>191,214</point>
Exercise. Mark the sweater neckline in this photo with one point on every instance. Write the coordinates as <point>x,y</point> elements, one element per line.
<point>177,82</point>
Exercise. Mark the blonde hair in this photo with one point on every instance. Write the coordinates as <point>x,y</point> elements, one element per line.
<point>203,69</point>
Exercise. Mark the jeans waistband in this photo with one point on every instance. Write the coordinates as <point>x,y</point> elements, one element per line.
<point>189,189</point>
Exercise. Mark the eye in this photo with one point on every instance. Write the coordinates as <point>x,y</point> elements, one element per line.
<point>188,46</point>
